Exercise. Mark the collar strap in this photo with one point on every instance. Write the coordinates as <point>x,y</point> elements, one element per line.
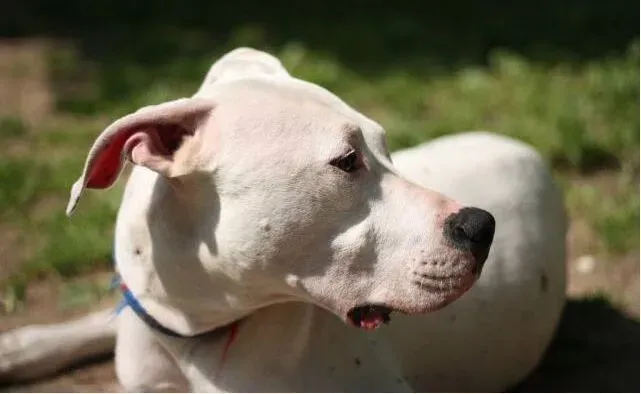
<point>131,301</point>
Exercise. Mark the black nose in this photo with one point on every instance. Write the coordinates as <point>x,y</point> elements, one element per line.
<point>471,229</point>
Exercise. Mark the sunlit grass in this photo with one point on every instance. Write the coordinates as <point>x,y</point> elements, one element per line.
<point>583,119</point>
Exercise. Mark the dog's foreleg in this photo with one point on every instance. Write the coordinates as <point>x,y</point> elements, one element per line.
<point>39,350</point>
<point>142,363</point>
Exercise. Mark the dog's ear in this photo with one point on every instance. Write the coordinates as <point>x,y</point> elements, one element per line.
<point>148,137</point>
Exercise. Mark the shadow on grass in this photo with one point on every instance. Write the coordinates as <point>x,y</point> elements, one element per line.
<point>596,349</point>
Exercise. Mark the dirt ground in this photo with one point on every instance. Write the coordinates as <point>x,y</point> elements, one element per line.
<point>596,348</point>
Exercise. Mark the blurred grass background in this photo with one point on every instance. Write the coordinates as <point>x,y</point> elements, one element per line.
<point>563,76</point>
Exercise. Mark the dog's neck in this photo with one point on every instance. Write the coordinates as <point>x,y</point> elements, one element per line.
<point>308,349</point>
<point>174,288</point>
<point>171,283</point>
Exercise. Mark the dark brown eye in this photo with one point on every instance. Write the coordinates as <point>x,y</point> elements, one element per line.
<point>349,162</point>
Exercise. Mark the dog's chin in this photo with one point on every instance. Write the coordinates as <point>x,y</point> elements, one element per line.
<point>371,316</point>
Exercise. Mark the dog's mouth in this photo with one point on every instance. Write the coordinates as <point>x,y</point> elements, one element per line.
<point>369,317</point>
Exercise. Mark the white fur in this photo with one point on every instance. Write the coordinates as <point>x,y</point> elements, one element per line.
<point>248,221</point>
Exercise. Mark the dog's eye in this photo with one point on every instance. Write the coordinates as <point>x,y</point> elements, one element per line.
<point>349,162</point>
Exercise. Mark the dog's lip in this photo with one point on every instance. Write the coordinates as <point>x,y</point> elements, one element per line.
<point>388,310</point>
<point>445,284</point>
<point>447,288</point>
<point>357,315</point>
<point>450,288</point>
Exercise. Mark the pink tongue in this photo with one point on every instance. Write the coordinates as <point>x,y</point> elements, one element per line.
<point>372,320</point>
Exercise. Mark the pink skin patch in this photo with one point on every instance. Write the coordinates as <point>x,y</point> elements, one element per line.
<point>450,208</point>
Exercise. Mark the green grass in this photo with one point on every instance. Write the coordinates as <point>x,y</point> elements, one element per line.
<point>582,117</point>
<point>83,294</point>
<point>35,187</point>
<point>12,127</point>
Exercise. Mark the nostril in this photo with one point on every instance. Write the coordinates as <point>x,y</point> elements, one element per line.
<point>471,229</point>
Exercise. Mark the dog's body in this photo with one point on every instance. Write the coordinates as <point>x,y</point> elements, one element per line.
<point>264,225</point>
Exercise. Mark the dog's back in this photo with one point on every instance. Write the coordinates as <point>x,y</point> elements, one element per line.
<point>495,334</point>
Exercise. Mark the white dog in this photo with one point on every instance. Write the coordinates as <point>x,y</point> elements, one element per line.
<point>264,223</point>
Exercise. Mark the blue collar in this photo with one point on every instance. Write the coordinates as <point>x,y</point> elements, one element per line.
<point>129,300</point>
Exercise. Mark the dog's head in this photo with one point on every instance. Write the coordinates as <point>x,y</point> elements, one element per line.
<point>309,203</point>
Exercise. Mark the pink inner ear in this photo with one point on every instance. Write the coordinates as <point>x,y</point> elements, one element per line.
<point>105,169</point>
<point>164,139</point>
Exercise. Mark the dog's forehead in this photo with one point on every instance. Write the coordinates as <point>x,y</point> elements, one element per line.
<point>293,102</point>
<point>267,99</point>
